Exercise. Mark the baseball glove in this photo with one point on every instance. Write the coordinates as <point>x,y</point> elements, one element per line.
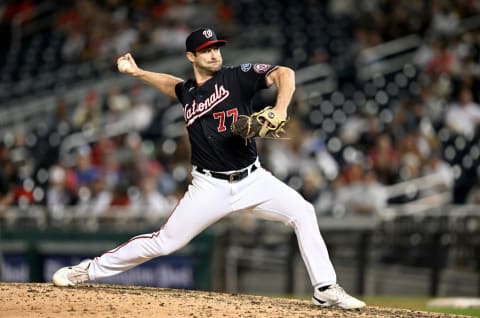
<point>264,123</point>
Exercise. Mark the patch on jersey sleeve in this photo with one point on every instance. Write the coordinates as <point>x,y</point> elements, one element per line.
<point>246,67</point>
<point>261,68</point>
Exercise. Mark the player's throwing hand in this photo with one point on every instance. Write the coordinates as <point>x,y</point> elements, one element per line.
<point>126,64</point>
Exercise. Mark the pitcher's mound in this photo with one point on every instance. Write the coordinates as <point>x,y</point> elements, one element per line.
<point>97,300</point>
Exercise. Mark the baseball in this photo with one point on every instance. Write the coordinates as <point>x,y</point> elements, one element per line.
<point>123,66</point>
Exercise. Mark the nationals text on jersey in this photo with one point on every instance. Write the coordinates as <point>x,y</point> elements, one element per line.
<point>192,112</point>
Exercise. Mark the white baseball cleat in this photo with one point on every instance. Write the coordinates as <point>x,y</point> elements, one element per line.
<point>72,275</point>
<point>334,295</point>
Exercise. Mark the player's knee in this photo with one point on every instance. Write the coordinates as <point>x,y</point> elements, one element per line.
<point>167,249</point>
<point>306,217</point>
<point>168,245</point>
<point>310,209</point>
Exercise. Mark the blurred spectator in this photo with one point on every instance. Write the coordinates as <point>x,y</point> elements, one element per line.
<point>117,104</point>
<point>68,19</point>
<point>410,155</point>
<point>195,14</point>
<point>368,137</point>
<point>445,18</point>
<point>319,55</point>
<point>443,62</point>
<point>341,8</point>
<point>436,166</point>
<point>173,179</point>
<point>125,38</point>
<point>409,167</point>
<point>313,146</point>
<point>293,157</point>
<point>98,41</point>
<point>433,106</point>
<point>100,150</point>
<point>113,171</point>
<point>148,201</point>
<point>384,159</point>
<point>225,15</point>
<point>463,115</point>
<point>143,157</point>
<point>169,36</point>
<point>140,116</point>
<point>407,117</point>
<point>352,129</point>
<point>96,199</point>
<point>88,112</point>
<point>59,195</point>
<point>7,179</point>
<point>312,184</point>
<point>60,121</point>
<point>358,192</point>
<point>473,196</point>
<point>375,192</point>
<point>23,193</point>
<point>85,172</point>
<point>119,198</point>
<point>18,11</point>
<point>73,45</point>
<point>426,52</point>
<point>20,153</point>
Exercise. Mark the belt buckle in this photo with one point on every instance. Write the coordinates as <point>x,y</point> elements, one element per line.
<point>234,177</point>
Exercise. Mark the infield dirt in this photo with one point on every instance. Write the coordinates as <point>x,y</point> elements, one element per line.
<point>97,300</point>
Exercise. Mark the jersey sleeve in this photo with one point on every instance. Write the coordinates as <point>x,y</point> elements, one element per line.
<point>178,91</point>
<point>253,77</point>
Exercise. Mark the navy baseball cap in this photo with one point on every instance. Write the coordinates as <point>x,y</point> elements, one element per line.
<point>202,38</point>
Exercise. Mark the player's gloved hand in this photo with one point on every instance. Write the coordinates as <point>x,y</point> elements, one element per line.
<point>264,123</point>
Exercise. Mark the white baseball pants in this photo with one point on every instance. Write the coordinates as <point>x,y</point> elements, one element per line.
<point>209,199</point>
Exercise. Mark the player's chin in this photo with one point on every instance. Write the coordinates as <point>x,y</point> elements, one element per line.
<point>215,66</point>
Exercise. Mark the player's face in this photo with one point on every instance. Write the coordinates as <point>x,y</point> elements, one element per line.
<point>208,60</point>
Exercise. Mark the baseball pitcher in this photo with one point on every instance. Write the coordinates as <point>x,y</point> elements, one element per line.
<point>227,175</point>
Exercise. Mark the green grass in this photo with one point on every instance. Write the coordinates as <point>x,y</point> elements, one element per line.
<point>417,303</point>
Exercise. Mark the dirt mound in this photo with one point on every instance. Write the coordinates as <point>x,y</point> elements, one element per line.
<point>97,300</point>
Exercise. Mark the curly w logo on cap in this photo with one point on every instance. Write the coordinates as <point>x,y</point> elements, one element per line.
<point>208,33</point>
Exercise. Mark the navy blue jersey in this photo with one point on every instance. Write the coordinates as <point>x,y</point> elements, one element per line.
<point>209,110</point>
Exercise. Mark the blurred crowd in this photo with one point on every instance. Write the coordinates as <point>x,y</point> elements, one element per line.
<point>107,28</point>
<point>126,170</point>
<point>427,130</point>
